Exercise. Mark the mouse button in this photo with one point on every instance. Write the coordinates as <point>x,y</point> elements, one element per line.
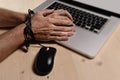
<point>42,50</point>
<point>42,57</point>
<point>52,50</point>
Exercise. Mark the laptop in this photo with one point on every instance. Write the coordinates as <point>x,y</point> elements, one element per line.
<point>95,21</point>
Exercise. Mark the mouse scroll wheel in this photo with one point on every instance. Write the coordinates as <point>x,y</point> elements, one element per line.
<point>48,48</point>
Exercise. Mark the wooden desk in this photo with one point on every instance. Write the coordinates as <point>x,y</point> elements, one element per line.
<point>68,64</point>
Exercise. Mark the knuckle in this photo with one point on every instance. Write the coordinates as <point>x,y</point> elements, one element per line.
<point>38,13</point>
<point>48,20</point>
<point>66,11</point>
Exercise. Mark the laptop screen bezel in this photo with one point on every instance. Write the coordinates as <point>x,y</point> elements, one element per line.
<point>91,8</point>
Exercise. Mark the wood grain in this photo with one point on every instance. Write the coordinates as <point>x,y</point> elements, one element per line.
<point>68,64</point>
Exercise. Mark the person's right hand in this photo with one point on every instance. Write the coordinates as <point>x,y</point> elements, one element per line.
<point>47,25</point>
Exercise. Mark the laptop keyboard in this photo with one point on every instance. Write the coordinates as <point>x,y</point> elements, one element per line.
<point>81,18</point>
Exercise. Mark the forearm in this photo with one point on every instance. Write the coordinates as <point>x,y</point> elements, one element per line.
<point>10,18</point>
<point>10,41</point>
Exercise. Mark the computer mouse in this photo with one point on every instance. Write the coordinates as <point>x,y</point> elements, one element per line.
<point>44,60</point>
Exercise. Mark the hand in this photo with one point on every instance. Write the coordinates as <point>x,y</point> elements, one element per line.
<point>52,25</point>
<point>61,14</point>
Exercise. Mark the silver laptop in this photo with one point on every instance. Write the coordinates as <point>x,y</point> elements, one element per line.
<point>95,21</point>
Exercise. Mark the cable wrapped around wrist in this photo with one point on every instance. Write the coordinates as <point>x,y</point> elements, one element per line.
<point>28,33</point>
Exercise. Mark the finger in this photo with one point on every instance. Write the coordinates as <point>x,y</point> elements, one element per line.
<point>64,28</point>
<point>64,13</point>
<point>46,12</point>
<point>58,38</point>
<point>48,38</point>
<point>68,15</point>
<point>59,33</point>
<point>55,33</point>
<point>61,17</point>
<point>60,22</point>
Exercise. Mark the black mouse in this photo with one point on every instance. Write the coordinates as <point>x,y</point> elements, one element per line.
<point>44,61</point>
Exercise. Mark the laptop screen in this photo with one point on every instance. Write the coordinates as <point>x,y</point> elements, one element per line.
<point>110,5</point>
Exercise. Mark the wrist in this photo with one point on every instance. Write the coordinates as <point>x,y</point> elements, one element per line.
<point>28,33</point>
<point>22,17</point>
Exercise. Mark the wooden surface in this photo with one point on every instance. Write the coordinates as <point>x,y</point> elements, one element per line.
<point>68,64</point>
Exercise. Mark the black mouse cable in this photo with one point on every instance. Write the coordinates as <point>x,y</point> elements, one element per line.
<point>41,45</point>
